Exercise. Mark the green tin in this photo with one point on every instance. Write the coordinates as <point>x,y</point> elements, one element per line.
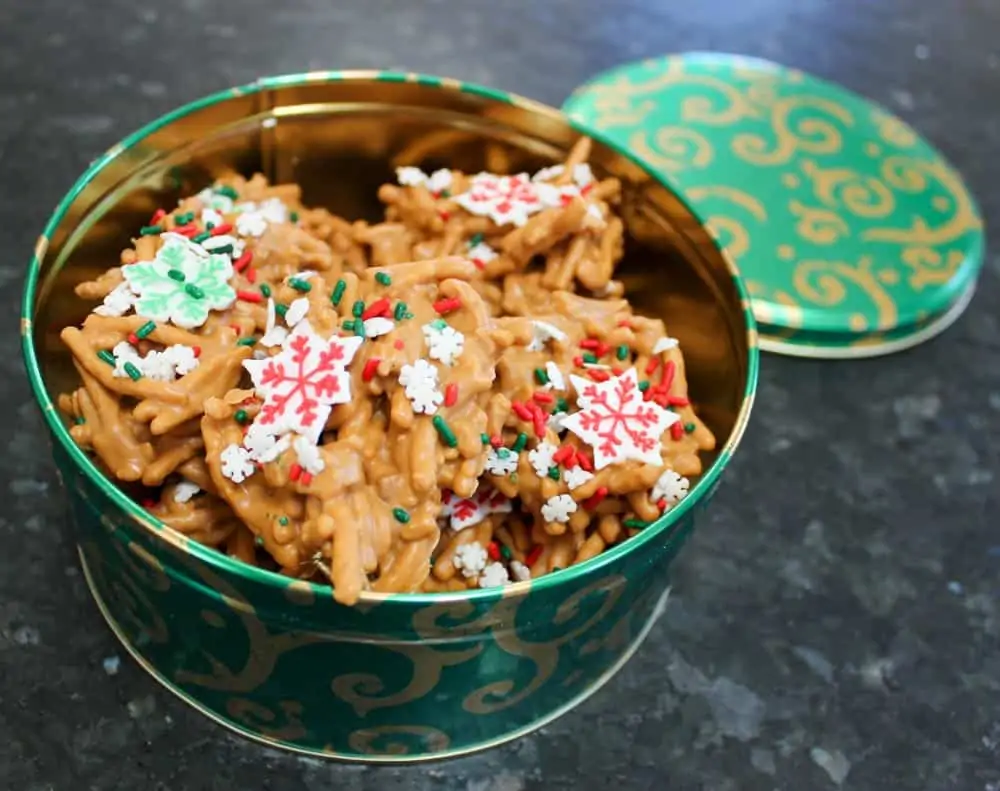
<point>403,677</point>
<point>854,235</point>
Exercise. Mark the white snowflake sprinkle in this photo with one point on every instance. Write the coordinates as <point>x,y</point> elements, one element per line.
<point>411,176</point>
<point>493,576</point>
<point>297,311</point>
<point>556,379</point>
<point>481,254</point>
<point>541,458</point>
<point>671,487</point>
<point>420,383</point>
<point>439,181</point>
<point>117,303</point>
<point>125,352</point>
<point>184,491</point>
<point>211,216</point>
<point>305,274</point>
<point>582,174</point>
<point>576,477</point>
<point>549,173</point>
<point>379,326</point>
<point>521,572</point>
<point>213,200</point>
<point>262,446</point>
<point>544,332</point>
<point>310,459</point>
<point>236,463</point>
<point>501,461</point>
<point>559,508</point>
<point>273,335</point>
<point>665,345</point>
<point>158,366</point>
<point>182,358</point>
<point>470,559</point>
<point>255,217</point>
<point>444,342</point>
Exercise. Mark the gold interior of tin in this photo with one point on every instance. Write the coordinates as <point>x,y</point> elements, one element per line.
<point>341,140</point>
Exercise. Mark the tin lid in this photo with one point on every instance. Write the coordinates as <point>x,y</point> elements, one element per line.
<point>854,235</point>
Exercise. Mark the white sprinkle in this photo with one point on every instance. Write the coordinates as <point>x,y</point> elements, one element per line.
<point>309,456</point>
<point>670,487</point>
<point>378,326</point>
<point>297,311</point>
<point>444,344</point>
<point>184,491</point>
<point>236,464</point>
<point>263,446</point>
<point>545,332</point>
<point>582,174</point>
<point>411,176</point>
<point>595,217</point>
<point>555,422</point>
<point>556,380</point>
<point>439,181</point>
<point>665,345</point>
<point>521,572</point>
<point>182,358</point>
<point>214,242</point>
<point>493,576</point>
<point>549,173</point>
<point>214,200</point>
<point>158,366</point>
<point>273,335</point>
<point>117,303</point>
<point>211,216</point>
<point>597,366</point>
<point>125,352</point>
<point>559,508</point>
<point>482,253</point>
<point>576,477</point>
<point>541,458</point>
<point>470,559</point>
<point>420,383</point>
<point>501,461</point>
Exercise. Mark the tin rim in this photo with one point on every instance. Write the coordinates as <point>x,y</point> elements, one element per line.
<point>272,579</point>
<point>792,348</point>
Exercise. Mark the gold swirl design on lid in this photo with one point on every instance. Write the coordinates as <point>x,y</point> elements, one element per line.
<point>727,230</point>
<point>862,196</point>
<point>811,134</point>
<point>379,740</point>
<point>893,130</point>
<point>826,283</point>
<point>817,225</point>
<point>673,148</point>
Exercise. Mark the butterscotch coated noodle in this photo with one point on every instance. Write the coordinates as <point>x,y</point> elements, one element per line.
<point>457,397</point>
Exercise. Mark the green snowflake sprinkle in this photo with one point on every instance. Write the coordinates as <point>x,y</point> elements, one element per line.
<point>182,283</point>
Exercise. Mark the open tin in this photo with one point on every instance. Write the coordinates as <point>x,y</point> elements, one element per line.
<point>403,677</point>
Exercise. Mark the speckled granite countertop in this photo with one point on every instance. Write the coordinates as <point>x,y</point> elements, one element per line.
<point>841,631</point>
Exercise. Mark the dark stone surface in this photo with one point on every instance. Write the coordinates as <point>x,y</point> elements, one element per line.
<point>836,619</point>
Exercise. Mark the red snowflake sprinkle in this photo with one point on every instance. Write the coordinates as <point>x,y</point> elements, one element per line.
<point>616,422</point>
<point>301,384</point>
